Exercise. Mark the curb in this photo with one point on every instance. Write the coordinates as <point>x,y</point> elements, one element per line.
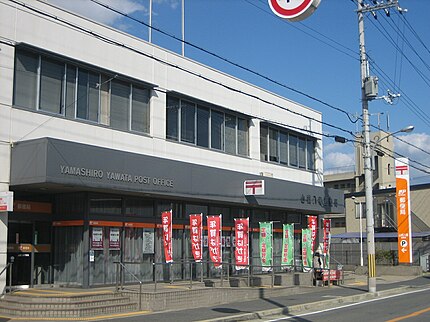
<point>307,306</point>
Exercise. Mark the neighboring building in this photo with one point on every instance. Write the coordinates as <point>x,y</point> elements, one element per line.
<point>383,165</point>
<point>384,205</point>
<point>101,132</point>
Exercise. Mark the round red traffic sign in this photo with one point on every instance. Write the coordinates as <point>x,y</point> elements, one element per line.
<point>293,10</point>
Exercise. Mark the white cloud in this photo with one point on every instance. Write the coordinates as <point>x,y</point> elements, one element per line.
<point>419,158</point>
<point>172,3</point>
<point>98,13</point>
<point>338,162</point>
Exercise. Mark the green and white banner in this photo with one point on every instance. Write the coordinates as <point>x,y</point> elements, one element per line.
<point>288,245</point>
<point>266,245</point>
<point>307,248</point>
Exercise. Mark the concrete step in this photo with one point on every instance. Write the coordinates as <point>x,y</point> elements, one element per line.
<point>55,306</point>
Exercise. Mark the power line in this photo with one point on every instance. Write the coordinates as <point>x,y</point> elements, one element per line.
<point>116,43</point>
<point>229,61</point>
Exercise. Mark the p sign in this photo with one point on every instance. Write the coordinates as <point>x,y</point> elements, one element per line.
<point>294,10</point>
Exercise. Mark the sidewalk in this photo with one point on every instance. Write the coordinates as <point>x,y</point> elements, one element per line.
<point>271,301</point>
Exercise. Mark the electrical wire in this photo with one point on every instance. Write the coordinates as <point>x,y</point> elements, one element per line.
<point>229,61</point>
<point>159,60</point>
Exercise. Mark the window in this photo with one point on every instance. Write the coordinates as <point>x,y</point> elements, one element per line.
<point>242,136</point>
<point>264,131</point>
<point>51,86</point>
<point>88,95</point>
<point>310,154</point>
<point>286,149</point>
<point>206,127</point>
<point>25,87</point>
<point>120,103</point>
<point>293,140</point>
<point>202,127</point>
<point>230,134</point>
<point>188,120</point>
<point>217,130</point>
<point>48,84</point>
<point>273,145</point>
<point>172,118</point>
<point>140,110</point>
<point>283,148</point>
<point>302,153</point>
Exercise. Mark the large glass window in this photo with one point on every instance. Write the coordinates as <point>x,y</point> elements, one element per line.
<point>70,92</point>
<point>283,148</point>
<point>206,127</point>
<point>120,105</point>
<point>264,131</point>
<point>310,154</point>
<point>294,159</point>
<point>188,121</point>
<point>273,145</point>
<point>286,148</point>
<point>230,134</point>
<point>51,86</point>
<point>172,118</point>
<point>217,130</point>
<point>302,153</point>
<point>25,87</point>
<point>203,127</point>
<point>88,95</point>
<point>140,110</point>
<point>242,136</point>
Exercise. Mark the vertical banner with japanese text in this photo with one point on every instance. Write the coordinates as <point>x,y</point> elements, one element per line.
<point>266,245</point>
<point>166,221</point>
<point>288,245</point>
<point>313,226</point>
<point>404,234</point>
<point>214,239</point>
<point>326,242</point>
<point>241,233</point>
<point>306,248</point>
<point>196,232</point>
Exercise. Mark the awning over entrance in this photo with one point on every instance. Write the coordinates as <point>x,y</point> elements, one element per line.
<point>57,164</point>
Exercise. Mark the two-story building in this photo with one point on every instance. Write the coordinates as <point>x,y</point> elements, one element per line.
<point>101,132</point>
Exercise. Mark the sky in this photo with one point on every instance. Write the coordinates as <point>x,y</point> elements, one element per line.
<point>316,60</point>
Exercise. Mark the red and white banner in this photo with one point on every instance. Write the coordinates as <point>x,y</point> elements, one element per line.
<point>241,252</point>
<point>404,234</point>
<point>326,243</point>
<point>313,226</point>
<point>196,230</point>
<point>166,221</point>
<point>214,239</point>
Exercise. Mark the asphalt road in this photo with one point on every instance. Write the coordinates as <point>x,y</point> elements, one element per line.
<point>412,306</point>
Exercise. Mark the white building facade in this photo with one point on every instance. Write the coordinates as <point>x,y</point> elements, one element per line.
<point>101,132</point>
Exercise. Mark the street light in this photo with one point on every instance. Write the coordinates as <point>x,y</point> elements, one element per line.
<point>406,129</point>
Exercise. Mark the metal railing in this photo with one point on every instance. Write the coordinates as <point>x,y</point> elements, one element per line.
<point>4,270</point>
<point>120,268</point>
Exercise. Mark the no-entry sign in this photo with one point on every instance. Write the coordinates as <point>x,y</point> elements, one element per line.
<point>294,10</point>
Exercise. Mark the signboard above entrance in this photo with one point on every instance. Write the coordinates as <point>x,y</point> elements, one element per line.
<point>294,10</point>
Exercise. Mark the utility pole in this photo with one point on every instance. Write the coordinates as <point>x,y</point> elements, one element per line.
<point>369,91</point>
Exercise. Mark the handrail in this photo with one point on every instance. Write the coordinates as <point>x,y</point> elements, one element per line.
<point>8,266</point>
<point>123,267</point>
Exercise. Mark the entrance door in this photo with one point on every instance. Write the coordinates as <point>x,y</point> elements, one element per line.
<point>29,247</point>
<point>20,246</point>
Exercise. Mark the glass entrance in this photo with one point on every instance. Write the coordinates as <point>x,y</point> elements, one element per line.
<point>29,247</point>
